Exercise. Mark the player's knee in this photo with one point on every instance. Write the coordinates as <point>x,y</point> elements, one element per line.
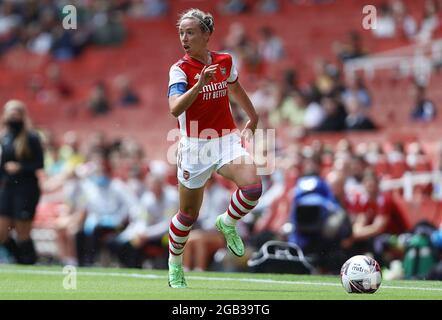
<point>253,191</point>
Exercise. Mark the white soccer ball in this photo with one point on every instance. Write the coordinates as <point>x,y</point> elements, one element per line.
<point>361,274</point>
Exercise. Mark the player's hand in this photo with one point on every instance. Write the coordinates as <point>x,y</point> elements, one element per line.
<point>249,130</point>
<point>207,74</point>
<point>12,167</point>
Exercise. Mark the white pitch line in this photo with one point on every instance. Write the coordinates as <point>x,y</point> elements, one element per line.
<point>153,276</point>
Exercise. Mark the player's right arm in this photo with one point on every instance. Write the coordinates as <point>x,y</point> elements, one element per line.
<point>180,100</point>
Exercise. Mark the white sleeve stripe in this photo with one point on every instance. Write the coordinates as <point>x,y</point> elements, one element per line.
<point>177,75</point>
<point>233,74</point>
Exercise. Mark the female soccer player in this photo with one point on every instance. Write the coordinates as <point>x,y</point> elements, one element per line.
<point>199,89</point>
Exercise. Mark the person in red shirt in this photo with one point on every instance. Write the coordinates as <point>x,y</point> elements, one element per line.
<point>370,213</point>
<point>200,85</point>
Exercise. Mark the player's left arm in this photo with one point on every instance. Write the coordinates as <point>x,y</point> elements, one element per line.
<point>237,93</point>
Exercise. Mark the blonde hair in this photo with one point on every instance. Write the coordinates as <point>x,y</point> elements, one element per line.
<point>21,143</point>
<point>205,20</point>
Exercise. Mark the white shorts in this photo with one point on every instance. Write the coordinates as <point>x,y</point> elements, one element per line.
<point>197,158</point>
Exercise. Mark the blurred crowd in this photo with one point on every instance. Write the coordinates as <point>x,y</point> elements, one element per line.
<point>37,25</point>
<point>395,21</point>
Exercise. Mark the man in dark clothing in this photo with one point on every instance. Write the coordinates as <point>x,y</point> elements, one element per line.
<point>425,109</point>
<point>335,115</point>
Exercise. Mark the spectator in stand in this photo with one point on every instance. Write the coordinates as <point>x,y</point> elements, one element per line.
<point>68,44</point>
<point>70,150</point>
<point>396,160</point>
<point>336,181</point>
<point>430,22</point>
<point>58,83</point>
<point>99,100</point>
<point>292,110</point>
<point>289,83</point>
<point>127,95</point>
<point>405,22</point>
<point>135,181</point>
<point>397,153</point>
<point>108,27</point>
<point>251,61</point>
<point>424,109</point>
<point>356,87</point>
<point>437,167</point>
<point>370,214</point>
<point>149,224</point>
<point>268,6</point>
<point>39,42</point>
<point>10,21</point>
<point>53,164</point>
<point>314,115</point>
<point>107,206</point>
<point>234,41</point>
<point>356,119</point>
<point>385,24</point>
<point>270,46</point>
<point>232,7</point>
<point>355,174</point>
<point>265,98</point>
<point>149,8</point>
<point>416,159</point>
<point>350,49</point>
<point>374,153</point>
<point>71,218</point>
<point>335,115</point>
<point>312,2</point>
<point>324,77</point>
<point>98,141</point>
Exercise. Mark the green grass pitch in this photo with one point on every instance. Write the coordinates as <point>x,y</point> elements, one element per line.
<point>43,282</point>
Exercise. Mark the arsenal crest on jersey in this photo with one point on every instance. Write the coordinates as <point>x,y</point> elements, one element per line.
<point>223,71</point>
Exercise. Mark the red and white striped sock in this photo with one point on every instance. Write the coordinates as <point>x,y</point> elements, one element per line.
<point>179,230</point>
<point>242,202</point>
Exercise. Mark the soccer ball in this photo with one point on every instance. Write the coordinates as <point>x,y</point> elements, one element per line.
<point>361,274</point>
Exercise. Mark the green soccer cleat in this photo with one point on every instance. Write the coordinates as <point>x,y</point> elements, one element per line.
<point>234,242</point>
<point>176,276</point>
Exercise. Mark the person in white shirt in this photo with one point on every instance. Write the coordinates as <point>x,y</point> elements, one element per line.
<point>107,204</point>
<point>149,223</point>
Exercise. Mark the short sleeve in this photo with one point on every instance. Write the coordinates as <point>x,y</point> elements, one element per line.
<point>177,75</point>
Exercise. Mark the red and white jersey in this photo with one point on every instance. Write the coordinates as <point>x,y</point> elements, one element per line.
<point>361,204</point>
<point>211,109</point>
